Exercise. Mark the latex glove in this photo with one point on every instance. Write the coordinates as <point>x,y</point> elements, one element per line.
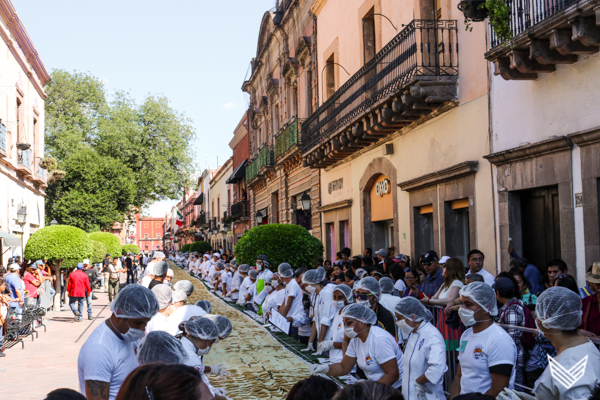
<point>219,391</point>
<point>219,369</point>
<point>319,351</point>
<point>228,294</point>
<point>325,345</point>
<point>509,394</point>
<point>310,347</point>
<point>421,391</point>
<point>319,369</point>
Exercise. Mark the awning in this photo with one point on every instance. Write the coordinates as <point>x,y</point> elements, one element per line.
<point>10,240</point>
<point>199,200</point>
<point>238,174</point>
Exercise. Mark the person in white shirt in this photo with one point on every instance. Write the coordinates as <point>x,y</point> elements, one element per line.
<point>244,285</point>
<point>179,299</point>
<point>487,353</point>
<point>373,349</point>
<point>108,355</point>
<point>264,275</point>
<point>183,314</point>
<point>164,296</point>
<point>558,315</point>
<point>322,306</point>
<point>251,293</point>
<point>236,281</point>
<point>293,293</point>
<point>186,286</point>
<point>388,300</point>
<point>149,277</point>
<point>454,280</point>
<point>341,296</point>
<point>224,325</point>
<point>475,260</point>
<point>275,299</point>
<point>259,298</point>
<point>425,352</point>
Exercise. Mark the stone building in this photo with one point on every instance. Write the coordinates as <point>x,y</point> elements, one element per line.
<point>282,90</point>
<point>240,210</point>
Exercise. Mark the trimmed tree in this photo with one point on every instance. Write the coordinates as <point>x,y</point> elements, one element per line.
<point>112,243</point>
<point>281,243</point>
<point>64,246</point>
<point>186,247</point>
<point>98,252</point>
<point>201,247</point>
<point>131,248</point>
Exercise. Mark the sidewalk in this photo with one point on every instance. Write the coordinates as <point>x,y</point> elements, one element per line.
<point>50,361</point>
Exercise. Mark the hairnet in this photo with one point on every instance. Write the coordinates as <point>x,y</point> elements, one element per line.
<point>244,268</point>
<point>413,309</point>
<point>268,278</point>
<point>159,346</point>
<point>360,313</point>
<point>202,328</point>
<point>223,323</point>
<point>346,290</point>
<point>170,272</point>
<point>234,262</point>
<point>163,294</point>
<point>386,284</point>
<point>185,286</point>
<point>179,295</point>
<point>220,266</point>
<point>482,294</point>
<point>314,276</point>
<point>133,302</point>
<point>160,268</point>
<point>371,284</point>
<point>285,270</point>
<point>253,274</point>
<point>361,273</point>
<point>559,308</point>
<point>205,305</point>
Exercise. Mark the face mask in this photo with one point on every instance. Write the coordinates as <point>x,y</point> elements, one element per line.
<point>168,283</point>
<point>310,289</point>
<point>274,284</point>
<point>404,327</point>
<point>258,267</point>
<point>339,304</point>
<point>132,334</point>
<point>364,302</point>
<point>468,316</point>
<point>350,332</point>
<point>203,352</point>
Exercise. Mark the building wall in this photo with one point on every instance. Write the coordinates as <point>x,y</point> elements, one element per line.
<point>153,228</point>
<point>219,198</point>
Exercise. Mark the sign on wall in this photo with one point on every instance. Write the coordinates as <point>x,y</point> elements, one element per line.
<point>383,187</point>
<point>335,185</point>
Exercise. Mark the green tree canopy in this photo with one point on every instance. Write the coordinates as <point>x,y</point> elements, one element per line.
<point>130,248</point>
<point>98,252</point>
<point>186,247</point>
<point>112,243</point>
<point>201,247</point>
<point>281,243</point>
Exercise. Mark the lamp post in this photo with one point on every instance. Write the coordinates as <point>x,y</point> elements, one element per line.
<point>305,200</point>
<point>259,218</point>
<point>21,219</point>
<point>53,222</point>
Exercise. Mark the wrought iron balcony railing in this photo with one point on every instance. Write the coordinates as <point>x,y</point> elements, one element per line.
<point>252,170</point>
<point>41,173</point>
<point>288,136</point>
<point>24,158</point>
<point>266,157</point>
<point>240,209</point>
<point>424,49</point>
<point>2,137</point>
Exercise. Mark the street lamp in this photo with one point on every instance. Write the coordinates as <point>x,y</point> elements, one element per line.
<point>21,219</point>
<point>305,200</point>
<point>259,218</point>
<point>53,222</point>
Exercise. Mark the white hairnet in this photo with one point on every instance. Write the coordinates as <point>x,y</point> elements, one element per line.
<point>285,270</point>
<point>205,305</point>
<point>170,272</point>
<point>482,294</point>
<point>361,273</point>
<point>346,290</point>
<point>559,308</point>
<point>253,274</point>
<point>386,284</point>
<point>314,276</point>
<point>269,278</point>
<point>371,284</point>
<point>413,309</point>
<point>159,254</point>
<point>186,286</point>
<point>161,268</point>
<point>159,346</point>
<point>360,313</point>
<point>244,268</point>
<point>134,302</point>
<point>223,323</point>
<point>163,294</point>
<point>220,266</point>
<point>179,295</point>
<point>202,328</point>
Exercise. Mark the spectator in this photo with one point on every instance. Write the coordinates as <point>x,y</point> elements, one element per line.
<point>435,276</point>
<point>398,274</point>
<point>77,286</point>
<point>566,281</point>
<point>391,251</point>
<point>587,289</point>
<point>402,260</point>
<point>377,273</point>
<point>113,278</point>
<point>590,320</point>
<point>413,284</point>
<point>368,293</point>
<point>345,254</point>
<point>473,278</point>
<point>522,286</point>
<point>31,282</point>
<point>314,388</point>
<point>160,273</point>
<point>454,280</point>
<point>475,259</point>
<point>531,272</point>
<point>105,271</point>
<point>368,253</point>
<point>129,267</point>
<point>64,394</point>
<point>4,306</point>
<point>380,255</point>
<point>556,267</point>
<point>368,390</point>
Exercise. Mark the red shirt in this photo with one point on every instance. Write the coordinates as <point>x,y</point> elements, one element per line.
<point>29,286</point>
<point>78,283</point>
<point>590,320</point>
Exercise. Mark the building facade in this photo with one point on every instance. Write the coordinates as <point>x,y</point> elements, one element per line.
<point>282,90</point>
<point>22,179</point>
<point>149,233</point>
<point>221,195</point>
<point>240,210</point>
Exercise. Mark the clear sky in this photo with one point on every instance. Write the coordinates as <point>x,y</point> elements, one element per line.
<point>194,52</point>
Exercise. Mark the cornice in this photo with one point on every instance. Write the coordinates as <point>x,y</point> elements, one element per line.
<point>538,149</point>
<point>335,206</point>
<point>586,138</point>
<point>317,6</point>
<point>453,172</point>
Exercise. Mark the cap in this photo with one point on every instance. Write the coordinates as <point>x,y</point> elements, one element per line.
<point>107,254</point>
<point>381,252</point>
<point>80,266</point>
<point>444,259</point>
<point>430,256</point>
<point>86,261</point>
<point>594,275</point>
<point>33,266</point>
<point>14,267</point>
<point>502,284</point>
<point>401,258</point>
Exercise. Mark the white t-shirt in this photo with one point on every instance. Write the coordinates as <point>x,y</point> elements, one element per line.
<point>183,313</point>
<point>487,277</point>
<point>158,323</point>
<point>379,348</point>
<point>4,313</point>
<point>292,289</point>
<point>107,358</point>
<point>444,292</point>
<point>146,281</point>
<point>274,300</point>
<point>195,361</point>
<point>400,286</point>
<point>546,387</point>
<point>244,289</point>
<point>265,274</point>
<point>337,330</point>
<point>483,350</point>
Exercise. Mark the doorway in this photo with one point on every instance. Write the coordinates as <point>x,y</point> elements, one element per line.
<point>456,219</point>
<point>423,220</point>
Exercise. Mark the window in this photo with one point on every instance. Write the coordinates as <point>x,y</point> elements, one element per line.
<point>158,235</point>
<point>423,220</point>
<point>218,209</point>
<point>275,118</point>
<point>369,36</point>
<point>344,234</point>
<point>456,220</point>
<point>18,110</point>
<point>309,95</point>
<point>145,236</point>
<point>329,77</point>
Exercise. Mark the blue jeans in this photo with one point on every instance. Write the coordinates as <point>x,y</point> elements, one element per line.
<point>101,279</point>
<point>88,301</point>
<point>79,309</point>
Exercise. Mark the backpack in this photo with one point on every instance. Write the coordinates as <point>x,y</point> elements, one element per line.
<point>527,338</point>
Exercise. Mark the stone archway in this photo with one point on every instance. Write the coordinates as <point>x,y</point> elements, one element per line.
<point>379,166</point>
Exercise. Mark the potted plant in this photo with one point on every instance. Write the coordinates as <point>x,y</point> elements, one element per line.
<point>498,13</point>
<point>473,10</point>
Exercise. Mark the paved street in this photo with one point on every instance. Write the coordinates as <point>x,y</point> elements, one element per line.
<point>50,361</point>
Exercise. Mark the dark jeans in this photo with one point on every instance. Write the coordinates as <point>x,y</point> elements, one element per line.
<point>532,376</point>
<point>79,300</point>
<point>130,274</point>
<point>250,307</point>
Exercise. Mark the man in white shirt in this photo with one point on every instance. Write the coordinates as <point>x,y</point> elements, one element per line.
<point>108,355</point>
<point>293,293</point>
<point>487,354</point>
<point>475,260</point>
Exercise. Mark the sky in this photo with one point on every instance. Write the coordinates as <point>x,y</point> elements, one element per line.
<point>194,52</point>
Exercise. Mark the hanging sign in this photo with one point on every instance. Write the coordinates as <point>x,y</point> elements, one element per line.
<point>383,187</point>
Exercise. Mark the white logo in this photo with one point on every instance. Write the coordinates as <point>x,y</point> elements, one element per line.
<point>382,187</point>
<point>567,377</point>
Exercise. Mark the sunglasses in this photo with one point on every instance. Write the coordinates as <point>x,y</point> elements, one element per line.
<point>428,263</point>
<point>363,296</point>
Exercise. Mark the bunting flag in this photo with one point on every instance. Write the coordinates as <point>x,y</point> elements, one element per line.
<point>179,220</point>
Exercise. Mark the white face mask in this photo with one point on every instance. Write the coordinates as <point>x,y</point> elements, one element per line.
<point>404,327</point>
<point>274,284</point>
<point>258,267</point>
<point>132,334</point>
<point>350,332</point>
<point>310,289</point>
<point>203,352</point>
<point>339,304</point>
<point>364,302</point>
<point>468,316</point>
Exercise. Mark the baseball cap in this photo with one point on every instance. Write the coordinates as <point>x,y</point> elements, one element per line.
<point>86,261</point>
<point>80,266</point>
<point>401,258</point>
<point>39,262</point>
<point>430,256</point>
<point>502,284</point>
<point>33,266</point>
<point>381,252</point>
<point>444,259</point>
<point>14,267</point>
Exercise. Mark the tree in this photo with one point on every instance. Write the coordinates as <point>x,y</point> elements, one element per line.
<point>98,252</point>
<point>63,246</point>
<point>112,243</point>
<point>95,192</point>
<point>201,247</point>
<point>281,243</point>
<point>186,247</point>
<point>131,248</point>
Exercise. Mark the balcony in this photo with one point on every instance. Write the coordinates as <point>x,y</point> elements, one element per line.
<point>414,77</point>
<point>24,161</point>
<point>40,175</point>
<point>240,210</point>
<point>2,140</point>
<point>545,33</point>
<point>287,137</point>
<point>263,163</point>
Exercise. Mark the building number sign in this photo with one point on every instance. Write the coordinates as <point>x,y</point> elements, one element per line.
<point>383,187</point>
